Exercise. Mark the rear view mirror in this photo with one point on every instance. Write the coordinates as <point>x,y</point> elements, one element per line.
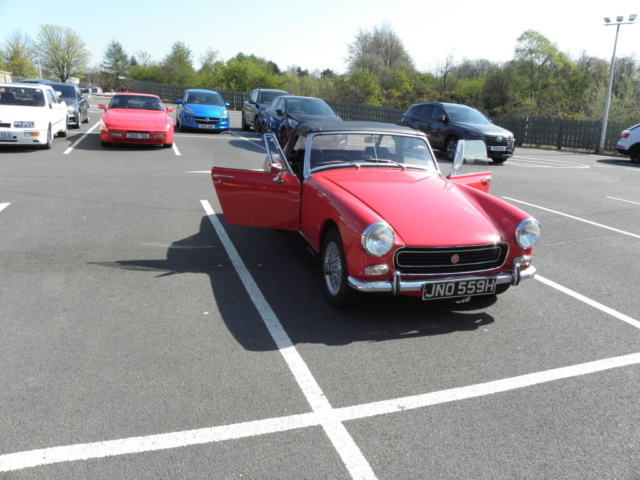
<point>179,101</point>
<point>169,110</point>
<point>102,107</point>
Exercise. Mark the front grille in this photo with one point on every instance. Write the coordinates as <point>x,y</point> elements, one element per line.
<point>437,261</point>
<point>206,121</point>
<point>493,141</point>
<point>5,125</point>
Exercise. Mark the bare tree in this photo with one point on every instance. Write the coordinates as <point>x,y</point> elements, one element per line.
<point>62,50</point>
<point>383,44</point>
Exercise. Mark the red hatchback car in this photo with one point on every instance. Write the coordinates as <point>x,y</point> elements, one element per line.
<point>370,199</point>
<point>136,118</point>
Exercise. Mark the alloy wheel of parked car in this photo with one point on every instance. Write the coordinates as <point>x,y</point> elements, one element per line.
<point>334,271</point>
<point>634,154</point>
<point>450,147</point>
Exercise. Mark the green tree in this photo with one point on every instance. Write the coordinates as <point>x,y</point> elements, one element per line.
<point>18,55</point>
<point>62,51</point>
<point>114,61</point>
<point>359,87</point>
<point>177,66</point>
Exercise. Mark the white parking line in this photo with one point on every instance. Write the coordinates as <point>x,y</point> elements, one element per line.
<point>68,150</point>
<point>175,149</point>
<point>331,418</point>
<point>533,162</point>
<point>623,200</point>
<point>337,433</point>
<point>3,206</point>
<point>573,217</point>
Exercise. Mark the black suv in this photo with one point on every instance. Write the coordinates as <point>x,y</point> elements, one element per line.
<point>446,123</point>
<point>254,107</point>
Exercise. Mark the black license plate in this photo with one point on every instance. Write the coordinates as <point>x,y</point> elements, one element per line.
<point>461,288</point>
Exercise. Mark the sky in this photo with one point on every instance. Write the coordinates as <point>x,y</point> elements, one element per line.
<point>315,35</point>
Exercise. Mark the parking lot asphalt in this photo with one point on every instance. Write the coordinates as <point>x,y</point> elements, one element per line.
<point>143,337</point>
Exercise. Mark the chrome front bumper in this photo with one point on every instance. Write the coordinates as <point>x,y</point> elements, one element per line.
<point>397,286</point>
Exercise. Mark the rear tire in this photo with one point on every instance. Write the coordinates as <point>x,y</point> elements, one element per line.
<point>634,154</point>
<point>334,272</point>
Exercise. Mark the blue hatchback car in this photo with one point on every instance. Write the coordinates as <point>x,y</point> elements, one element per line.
<point>202,110</point>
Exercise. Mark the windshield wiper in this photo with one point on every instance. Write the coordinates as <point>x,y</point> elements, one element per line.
<point>384,160</point>
<point>333,162</point>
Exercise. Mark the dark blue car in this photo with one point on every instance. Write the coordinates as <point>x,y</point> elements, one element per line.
<point>202,110</point>
<point>287,111</point>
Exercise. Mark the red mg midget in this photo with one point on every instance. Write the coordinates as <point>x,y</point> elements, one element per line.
<point>370,199</point>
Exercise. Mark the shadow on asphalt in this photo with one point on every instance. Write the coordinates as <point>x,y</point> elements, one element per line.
<point>618,161</point>
<point>290,280</point>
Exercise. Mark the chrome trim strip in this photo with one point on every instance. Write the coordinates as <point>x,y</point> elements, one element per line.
<point>396,285</point>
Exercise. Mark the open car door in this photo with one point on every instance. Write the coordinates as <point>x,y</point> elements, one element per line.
<point>268,197</point>
<point>470,165</point>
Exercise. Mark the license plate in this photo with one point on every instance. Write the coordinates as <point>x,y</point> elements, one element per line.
<point>208,126</point>
<point>499,149</point>
<point>6,135</point>
<point>462,288</point>
<point>138,135</point>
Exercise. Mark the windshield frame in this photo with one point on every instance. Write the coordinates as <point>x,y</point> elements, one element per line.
<point>308,172</point>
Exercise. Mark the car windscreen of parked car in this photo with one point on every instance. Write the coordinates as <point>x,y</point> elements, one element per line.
<point>66,91</point>
<point>462,114</point>
<point>266,97</point>
<point>136,102</point>
<point>309,106</point>
<point>29,97</point>
<point>201,98</point>
<point>336,150</point>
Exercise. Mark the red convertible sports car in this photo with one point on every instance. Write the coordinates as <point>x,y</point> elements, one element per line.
<point>136,118</point>
<point>370,199</point>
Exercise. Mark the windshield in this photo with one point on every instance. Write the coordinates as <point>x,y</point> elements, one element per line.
<point>337,150</point>
<point>309,106</point>
<point>460,113</point>
<point>66,91</point>
<point>267,97</point>
<point>201,98</point>
<point>136,102</point>
<point>29,97</point>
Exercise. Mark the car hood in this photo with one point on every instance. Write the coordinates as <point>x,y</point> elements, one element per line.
<point>423,209</point>
<point>205,110</point>
<point>136,118</point>
<point>11,113</point>
<point>484,129</point>
<point>303,117</point>
<point>71,102</point>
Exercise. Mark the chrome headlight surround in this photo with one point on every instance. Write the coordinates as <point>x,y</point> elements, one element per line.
<point>528,233</point>
<point>378,239</point>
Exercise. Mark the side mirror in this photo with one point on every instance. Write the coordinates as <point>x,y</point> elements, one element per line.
<point>444,119</point>
<point>169,110</point>
<point>279,111</point>
<point>179,101</point>
<point>276,167</point>
<point>102,107</point>
<point>227,104</point>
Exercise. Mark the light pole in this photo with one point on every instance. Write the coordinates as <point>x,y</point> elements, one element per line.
<point>619,21</point>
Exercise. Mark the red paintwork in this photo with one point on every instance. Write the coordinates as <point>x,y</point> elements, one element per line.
<point>134,120</point>
<point>423,208</point>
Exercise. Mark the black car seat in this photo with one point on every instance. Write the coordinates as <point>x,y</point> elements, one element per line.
<point>8,97</point>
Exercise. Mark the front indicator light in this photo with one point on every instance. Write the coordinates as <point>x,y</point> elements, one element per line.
<point>158,134</point>
<point>376,270</point>
<point>523,261</point>
<point>377,239</point>
<point>115,133</point>
<point>527,233</point>
<point>31,134</point>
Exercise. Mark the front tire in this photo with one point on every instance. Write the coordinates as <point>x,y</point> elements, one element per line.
<point>167,145</point>
<point>499,160</point>
<point>245,125</point>
<point>450,147</point>
<point>105,144</point>
<point>47,146</point>
<point>334,272</point>
<point>256,124</point>
<point>63,133</point>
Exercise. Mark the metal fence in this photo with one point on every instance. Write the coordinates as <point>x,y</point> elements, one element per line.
<point>529,131</point>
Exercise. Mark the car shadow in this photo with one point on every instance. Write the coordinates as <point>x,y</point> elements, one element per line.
<point>625,162</point>
<point>290,281</point>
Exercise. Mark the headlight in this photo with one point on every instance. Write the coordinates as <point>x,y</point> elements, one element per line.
<point>224,113</point>
<point>377,239</point>
<point>19,124</point>
<point>188,110</point>
<point>527,233</point>
<point>71,108</point>
<point>477,135</point>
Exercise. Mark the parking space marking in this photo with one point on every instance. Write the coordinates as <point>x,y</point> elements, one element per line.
<point>69,453</point>
<point>633,169</point>
<point>175,149</point>
<point>3,206</point>
<point>623,200</point>
<point>74,144</point>
<point>545,163</point>
<point>573,217</point>
<point>603,308</point>
<point>249,139</point>
<point>342,441</point>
